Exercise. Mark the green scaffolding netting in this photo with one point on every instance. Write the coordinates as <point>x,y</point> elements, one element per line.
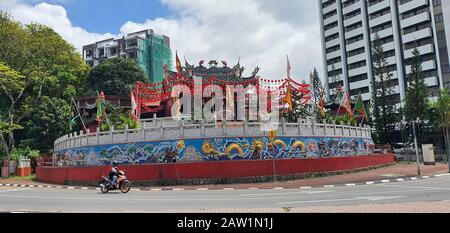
<point>153,55</point>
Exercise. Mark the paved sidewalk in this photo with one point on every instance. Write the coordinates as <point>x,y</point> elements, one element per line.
<point>410,207</point>
<point>391,172</point>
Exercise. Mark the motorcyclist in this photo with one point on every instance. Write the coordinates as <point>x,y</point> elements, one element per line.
<point>114,173</point>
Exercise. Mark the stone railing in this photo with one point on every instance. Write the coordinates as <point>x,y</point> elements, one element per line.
<point>160,129</point>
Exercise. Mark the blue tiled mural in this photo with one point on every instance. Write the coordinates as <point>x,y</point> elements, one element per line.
<point>216,149</point>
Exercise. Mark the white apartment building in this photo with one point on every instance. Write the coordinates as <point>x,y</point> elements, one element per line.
<point>349,26</point>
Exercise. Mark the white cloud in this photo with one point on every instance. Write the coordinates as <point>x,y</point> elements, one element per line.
<point>54,16</point>
<point>260,32</point>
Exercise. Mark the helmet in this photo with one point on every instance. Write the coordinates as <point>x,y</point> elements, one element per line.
<point>114,163</point>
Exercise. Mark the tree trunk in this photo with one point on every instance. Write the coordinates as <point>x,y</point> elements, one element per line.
<point>4,144</point>
<point>11,123</point>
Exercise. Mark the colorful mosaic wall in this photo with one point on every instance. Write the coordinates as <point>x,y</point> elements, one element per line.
<point>194,150</point>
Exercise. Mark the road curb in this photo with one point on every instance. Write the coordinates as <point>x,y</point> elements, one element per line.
<point>384,181</point>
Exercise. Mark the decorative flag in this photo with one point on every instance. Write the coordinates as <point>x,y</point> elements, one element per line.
<point>360,109</point>
<point>178,63</point>
<point>133,106</point>
<point>288,97</point>
<point>100,106</point>
<point>321,105</point>
<point>345,104</point>
<point>73,121</point>
<point>230,98</point>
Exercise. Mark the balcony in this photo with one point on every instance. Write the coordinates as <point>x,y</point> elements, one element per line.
<point>366,96</point>
<point>417,35</point>
<point>425,16</point>
<point>380,20</point>
<point>356,58</point>
<point>360,84</point>
<point>428,65</point>
<point>332,43</point>
<point>431,81</point>
<point>424,49</point>
<point>358,71</point>
<point>388,46</point>
<point>355,45</point>
<point>329,8</point>
<point>383,33</point>
<point>391,60</point>
<point>334,54</point>
<point>332,31</point>
<point>412,5</point>
<point>379,6</point>
<point>353,20</point>
<point>330,19</point>
<point>354,32</point>
<point>354,6</point>
<point>337,65</point>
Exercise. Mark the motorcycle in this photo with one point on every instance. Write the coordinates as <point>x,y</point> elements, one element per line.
<point>122,183</point>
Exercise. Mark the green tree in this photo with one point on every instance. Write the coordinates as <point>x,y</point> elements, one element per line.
<point>50,120</point>
<point>416,101</point>
<point>12,85</point>
<point>317,90</point>
<point>47,66</point>
<point>115,76</point>
<point>383,106</point>
<point>299,110</point>
<point>441,112</point>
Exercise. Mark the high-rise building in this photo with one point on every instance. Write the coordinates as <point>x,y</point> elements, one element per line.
<point>348,28</point>
<point>149,50</point>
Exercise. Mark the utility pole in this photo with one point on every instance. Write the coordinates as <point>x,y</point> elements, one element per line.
<point>415,144</point>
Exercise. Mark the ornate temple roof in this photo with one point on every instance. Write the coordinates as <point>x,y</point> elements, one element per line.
<point>221,72</point>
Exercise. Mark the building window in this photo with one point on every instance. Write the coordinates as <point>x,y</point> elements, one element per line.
<point>89,53</point>
<point>439,18</point>
<point>413,13</point>
<point>357,65</point>
<point>357,78</point>
<point>373,2</point>
<point>361,90</point>
<point>113,51</point>
<point>132,55</point>
<point>353,27</point>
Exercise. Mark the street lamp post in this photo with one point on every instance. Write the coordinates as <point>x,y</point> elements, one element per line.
<point>416,147</point>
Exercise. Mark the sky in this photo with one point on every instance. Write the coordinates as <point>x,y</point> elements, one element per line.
<point>259,32</point>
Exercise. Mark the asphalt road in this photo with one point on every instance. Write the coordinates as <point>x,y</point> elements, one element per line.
<point>78,200</point>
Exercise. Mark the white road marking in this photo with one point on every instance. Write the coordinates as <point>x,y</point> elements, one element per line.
<point>278,188</point>
<point>413,178</point>
<point>370,182</point>
<point>329,186</point>
<point>228,189</point>
<point>155,189</point>
<point>425,177</point>
<point>419,187</point>
<point>177,189</point>
<point>385,181</point>
<point>286,193</point>
<point>351,184</point>
<point>70,187</point>
<point>202,189</point>
<point>370,198</point>
<point>400,179</point>
<point>305,187</point>
<point>440,175</point>
<point>13,190</point>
